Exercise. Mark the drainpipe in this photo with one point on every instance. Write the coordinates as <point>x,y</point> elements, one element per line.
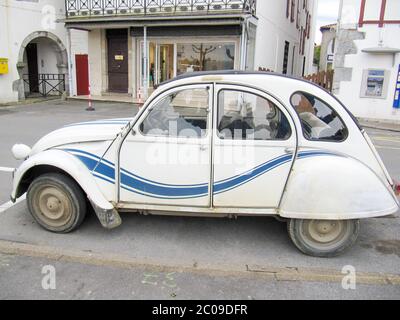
<point>243,49</point>
<point>69,62</point>
<point>340,15</point>
<point>145,85</point>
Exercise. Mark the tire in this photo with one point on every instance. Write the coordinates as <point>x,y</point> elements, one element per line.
<point>323,238</point>
<point>56,202</point>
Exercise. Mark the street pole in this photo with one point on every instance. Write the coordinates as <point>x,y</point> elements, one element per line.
<point>69,61</point>
<point>90,106</point>
<point>145,79</point>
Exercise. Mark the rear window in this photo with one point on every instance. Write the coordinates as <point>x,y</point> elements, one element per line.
<point>319,121</point>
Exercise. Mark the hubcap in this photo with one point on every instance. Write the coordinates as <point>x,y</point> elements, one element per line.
<point>324,232</point>
<point>54,206</point>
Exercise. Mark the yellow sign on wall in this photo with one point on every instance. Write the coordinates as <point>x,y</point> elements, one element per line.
<point>3,65</point>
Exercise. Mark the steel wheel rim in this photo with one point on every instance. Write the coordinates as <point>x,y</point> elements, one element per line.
<point>54,206</point>
<point>325,234</point>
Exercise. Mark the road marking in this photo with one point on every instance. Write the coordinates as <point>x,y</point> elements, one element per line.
<point>9,204</point>
<point>7,169</point>
<point>389,148</point>
<point>126,262</point>
<point>386,139</point>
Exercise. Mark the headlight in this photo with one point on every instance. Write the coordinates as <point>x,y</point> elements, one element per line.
<point>20,151</point>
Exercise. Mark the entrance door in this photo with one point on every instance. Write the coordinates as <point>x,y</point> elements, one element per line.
<point>33,68</point>
<point>82,74</point>
<point>254,148</point>
<point>161,66</point>
<point>165,62</point>
<point>165,160</point>
<point>117,40</point>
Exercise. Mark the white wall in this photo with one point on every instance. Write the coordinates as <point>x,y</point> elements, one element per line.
<point>79,45</point>
<point>274,28</point>
<point>95,61</point>
<point>6,93</point>
<point>47,59</point>
<point>349,91</point>
<point>18,19</point>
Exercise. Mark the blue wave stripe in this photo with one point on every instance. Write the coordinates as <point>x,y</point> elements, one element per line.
<point>143,187</point>
<point>249,172</point>
<point>163,191</point>
<point>105,170</point>
<point>220,187</point>
<point>77,152</point>
<point>162,197</point>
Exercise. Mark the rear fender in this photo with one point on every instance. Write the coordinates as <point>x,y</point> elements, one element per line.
<point>334,187</point>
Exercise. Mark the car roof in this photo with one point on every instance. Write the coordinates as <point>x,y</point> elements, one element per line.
<point>195,74</point>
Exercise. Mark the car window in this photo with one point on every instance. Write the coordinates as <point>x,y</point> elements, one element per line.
<point>319,120</point>
<point>247,116</point>
<point>180,114</point>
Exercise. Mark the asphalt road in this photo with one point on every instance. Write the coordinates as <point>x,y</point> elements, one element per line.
<point>248,258</point>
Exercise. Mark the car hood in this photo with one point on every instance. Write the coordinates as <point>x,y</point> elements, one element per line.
<point>100,130</point>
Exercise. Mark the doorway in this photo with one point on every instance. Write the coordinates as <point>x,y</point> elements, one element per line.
<point>161,63</point>
<point>33,68</point>
<point>82,74</point>
<point>117,44</point>
<point>165,62</point>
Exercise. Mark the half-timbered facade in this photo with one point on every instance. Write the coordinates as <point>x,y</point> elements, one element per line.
<point>367,59</point>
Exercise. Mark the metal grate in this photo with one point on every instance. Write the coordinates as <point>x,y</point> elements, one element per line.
<point>45,84</point>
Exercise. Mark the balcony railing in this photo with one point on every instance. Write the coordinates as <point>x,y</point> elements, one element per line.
<point>102,8</point>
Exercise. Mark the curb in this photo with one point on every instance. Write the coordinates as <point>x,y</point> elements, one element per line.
<point>379,128</point>
<point>103,101</point>
<point>27,102</point>
<point>124,262</point>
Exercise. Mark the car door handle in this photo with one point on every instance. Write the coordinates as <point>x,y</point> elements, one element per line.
<point>203,148</point>
<point>290,150</point>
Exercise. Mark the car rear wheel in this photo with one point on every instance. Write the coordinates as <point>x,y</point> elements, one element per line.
<point>323,238</point>
<point>56,202</point>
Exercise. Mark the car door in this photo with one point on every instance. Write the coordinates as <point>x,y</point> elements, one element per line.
<point>166,159</point>
<point>254,147</point>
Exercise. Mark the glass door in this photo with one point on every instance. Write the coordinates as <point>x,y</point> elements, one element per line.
<point>165,62</point>
<point>160,66</point>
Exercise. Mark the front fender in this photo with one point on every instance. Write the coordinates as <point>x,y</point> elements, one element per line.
<point>79,172</point>
<point>335,188</point>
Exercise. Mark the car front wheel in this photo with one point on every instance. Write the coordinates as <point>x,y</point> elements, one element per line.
<point>323,238</point>
<point>56,202</point>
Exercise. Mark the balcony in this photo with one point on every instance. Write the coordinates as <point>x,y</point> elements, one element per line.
<point>141,8</point>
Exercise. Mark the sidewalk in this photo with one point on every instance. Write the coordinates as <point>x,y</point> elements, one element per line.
<point>120,98</point>
<point>380,125</point>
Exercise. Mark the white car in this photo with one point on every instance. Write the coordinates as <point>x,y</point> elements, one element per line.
<point>222,144</point>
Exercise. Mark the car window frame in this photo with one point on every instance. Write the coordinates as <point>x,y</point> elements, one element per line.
<point>243,90</point>
<point>328,105</point>
<point>205,86</point>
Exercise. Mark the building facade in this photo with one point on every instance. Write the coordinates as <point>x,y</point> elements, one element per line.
<point>367,59</point>
<point>129,47</point>
<point>33,54</point>
<point>328,43</point>
<point>285,36</point>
